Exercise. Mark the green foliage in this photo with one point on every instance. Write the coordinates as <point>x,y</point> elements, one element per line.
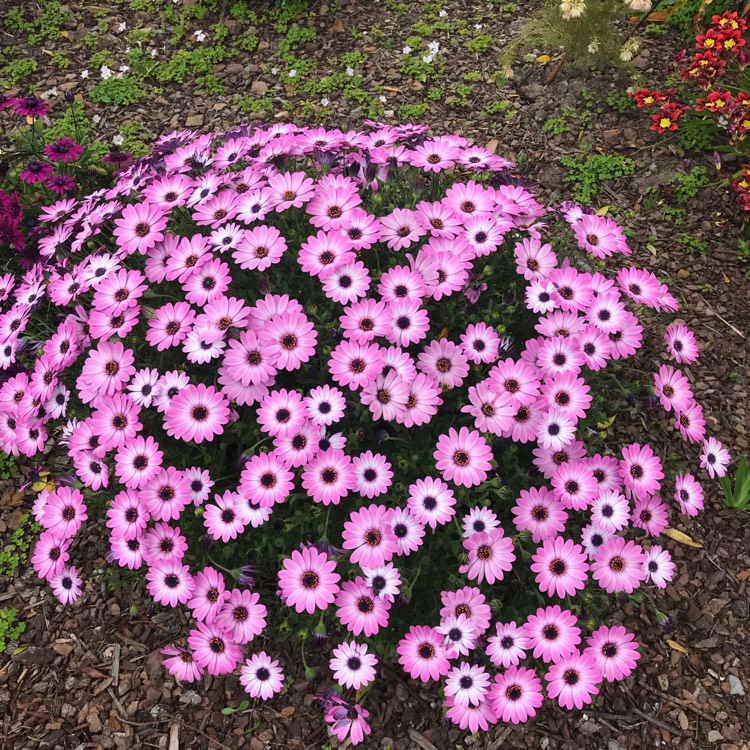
<point>241,706</point>
<point>16,70</point>
<point>737,497</point>
<point>692,245</point>
<point>619,101</point>
<point>8,466</point>
<point>16,552</point>
<point>479,44</point>
<point>120,91</point>
<point>556,126</point>
<point>697,134</point>
<point>587,174</point>
<point>10,626</point>
<point>410,112</point>
<point>686,186</point>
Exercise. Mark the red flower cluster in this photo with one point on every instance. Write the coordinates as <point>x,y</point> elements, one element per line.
<point>741,186</point>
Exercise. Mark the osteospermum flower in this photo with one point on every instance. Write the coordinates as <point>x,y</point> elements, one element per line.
<point>348,721</point>
<point>181,664</point>
<point>573,680</point>
<point>373,472</point>
<point>491,556</point>
<point>714,458</point>
<point>224,519</point>
<point>561,567</point>
<point>352,665</point>
<point>467,601</point>
<point>170,582</point>
<point>422,654</point>
<point>360,609</point>
<point>213,649</point>
<point>140,227</point>
<point>641,470</point>
<point>516,694</point>
<point>197,413</point>
<point>672,389</point>
<point>261,676</point>
<point>64,512</point>
<point>308,580</point>
<point>409,532</point>
<point>688,493</point>
<point>508,646</point>
<point>368,533</point>
<point>659,566</point>
<point>619,565</point>
<point>242,616</point>
<point>614,650</point>
<point>467,684</point>
<point>574,485</point>
<point>66,585</point>
<point>681,343</point>
<point>552,633</point>
<point>329,477</point>
<point>431,501</point>
<point>463,457</point>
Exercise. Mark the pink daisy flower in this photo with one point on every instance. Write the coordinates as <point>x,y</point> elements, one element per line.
<point>508,646</point>
<point>574,485</point>
<point>560,567</point>
<point>539,512</point>
<point>614,651</point>
<point>197,413</point>
<point>355,364</point>
<point>209,595</point>
<point>290,338</point>
<point>373,472</point>
<point>386,396</point>
<point>619,565</point>
<point>127,516</point>
<point>352,665</point>
<point>672,389</point>
<point>659,566</point>
<point>259,248</point>
<point>692,424</point>
<point>180,664</point>
<point>431,501</point>
<point>714,458</point>
<point>681,343</point>
<point>347,283</point>
<point>515,378</point>
<point>50,555</point>
<point>66,585</point>
<point>329,477</point>
<point>64,512</point>
<point>409,532</point>
<point>324,252</point>
<point>480,343</point>
<point>224,520</point>
<point>552,633</point>
<point>359,609</point>
<point>401,228</point>
<point>468,601</point>
<point>115,421</point>
<point>261,676</point>
<point>600,236</point>
<point>281,413</point>
<point>688,493</point>
<point>332,203</point>
<point>472,717</point>
<point>348,721</point>
<point>364,320</point>
<point>444,362</point>
<point>140,227</point>
<point>308,580</point>
<point>170,583</point>
<point>214,650</point>
<point>422,654</point>
<point>534,261</point>
<point>641,470</point>
<point>368,533</point>
<point>516,694</point>
<point>463,457</point>
<point>491,556</point>
<point>651,515</point>
<point>422,403</point>
<point>573,680</point>
<point>325,405</point>
<point>166,495</point>
<point>467,684</point>
<point>265,480</point>
<point>137,462</point>
<point>409,322</point>
<point>241,616</point>
<point>290,189</point>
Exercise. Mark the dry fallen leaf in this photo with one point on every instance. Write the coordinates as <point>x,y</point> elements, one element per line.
<point>602,211</point>
<point>744,575</point>
<point>676,646</point>
<point>543,59</point>
<point>678,536</point>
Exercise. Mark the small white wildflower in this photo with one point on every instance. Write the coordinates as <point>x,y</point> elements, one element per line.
<point>97,119</point>
<point>84,74</point>
<point>382,99</point>
<point>324,101</point>
<point>292,73</point>
<point>477,26</point>
<point>200,35</point>
<point>443,13</point>
<point>406,50</point>
<point>434,47</point>
<point>350,71</point>
<point>627,53</point>
<point>153,52</point>
<point>127,49</point>
<point>274,71</point>
<point>118,140</point>
<point>593,48</point>
<point>124,68</point>
<point>105,72</point>
<point>122,26</point>
<point>572,8</point>
<point>427,58</point>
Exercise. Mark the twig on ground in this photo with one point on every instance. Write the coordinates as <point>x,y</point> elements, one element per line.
<point>657,723</point>
<point>116,665</point>
<point>726,322</point>
<point>420,739</point>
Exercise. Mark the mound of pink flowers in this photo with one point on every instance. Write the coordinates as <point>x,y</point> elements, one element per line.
<point>354,388</point>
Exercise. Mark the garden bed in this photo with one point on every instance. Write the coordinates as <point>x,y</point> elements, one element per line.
<point>93,674</point>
